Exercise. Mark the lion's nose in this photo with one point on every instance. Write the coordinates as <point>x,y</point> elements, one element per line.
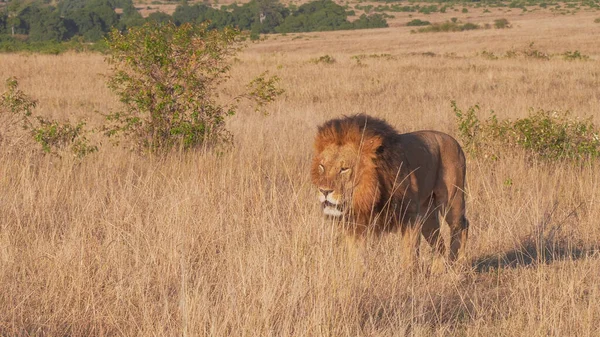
<point>325,192</point>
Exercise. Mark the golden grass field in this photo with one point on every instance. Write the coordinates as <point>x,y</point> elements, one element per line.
<point>234,244</point>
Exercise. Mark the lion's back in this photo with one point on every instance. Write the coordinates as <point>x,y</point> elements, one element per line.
<point>436,144</point>
<point>436,158</point>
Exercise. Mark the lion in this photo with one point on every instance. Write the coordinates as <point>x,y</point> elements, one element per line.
<point>376,180</point>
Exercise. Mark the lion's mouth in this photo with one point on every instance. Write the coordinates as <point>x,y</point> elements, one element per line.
<point>331,209</point>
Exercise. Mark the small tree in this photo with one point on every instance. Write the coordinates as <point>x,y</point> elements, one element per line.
<point>167,78</point>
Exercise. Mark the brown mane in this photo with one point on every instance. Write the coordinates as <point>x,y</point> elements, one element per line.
<point>370,136</point>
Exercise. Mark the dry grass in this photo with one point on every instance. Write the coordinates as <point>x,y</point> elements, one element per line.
<point>234,244</point>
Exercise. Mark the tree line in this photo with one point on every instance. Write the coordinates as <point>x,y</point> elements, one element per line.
<point>91,20</point>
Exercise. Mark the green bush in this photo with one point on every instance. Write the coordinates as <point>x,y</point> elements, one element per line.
<point>549,135</point>
<point>167,78</point>
<point>488,55</point>
<point>325,59</point>
<point>501,24</point>
<point>448,26</point>
<point>428,9</point>
<point>418,22</point>
<point>574,56</point>
<point>54,137</point>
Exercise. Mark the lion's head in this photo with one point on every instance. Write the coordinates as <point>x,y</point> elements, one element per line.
<point>344,165</point>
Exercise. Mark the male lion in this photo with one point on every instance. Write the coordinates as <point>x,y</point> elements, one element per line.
<point>376,180</point>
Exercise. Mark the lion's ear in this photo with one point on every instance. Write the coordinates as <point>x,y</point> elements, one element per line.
<point>373,145</point>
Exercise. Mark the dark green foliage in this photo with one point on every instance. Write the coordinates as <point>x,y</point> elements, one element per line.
<point>131,17</point>
<point>272,12</point>
<point>501,23</point>
<point>370,21</point>
<point>448,26</point>
<point>3,23</point>
<point>199,13</point>
<point>159,17</point>
<point>246,17</point>
<point>543,134</point>
<point>326,15</point>
<point>428,9</point>
<point>47,25</point>
<point>321,15</point>
<point>93,19</point>
<point>418,22</point>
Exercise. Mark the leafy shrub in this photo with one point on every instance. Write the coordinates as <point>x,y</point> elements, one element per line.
<point>359,58</point>
<point>167,76</point>
<point>501,24</point>
<point>325,59</point>
<point>549,135</point>
<point>489,55</point>
<point>16,110</point>
<point>52,135</point>
<point>428,9</point>
<point>469,26</point>
<point>448,26</point>
<point>597,20</point>
<point>418,22</point>
<point>575,55</point>
<point>516,4</point>
<point>370,21</point>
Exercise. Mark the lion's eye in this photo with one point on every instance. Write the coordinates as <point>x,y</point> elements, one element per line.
<point>321,168</point>
<point>344,169</point>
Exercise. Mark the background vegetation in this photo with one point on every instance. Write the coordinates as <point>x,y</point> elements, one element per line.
<point>35,24</point>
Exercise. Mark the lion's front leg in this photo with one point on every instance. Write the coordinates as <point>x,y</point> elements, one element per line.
<point>356,231</point>
<point>411,240</point>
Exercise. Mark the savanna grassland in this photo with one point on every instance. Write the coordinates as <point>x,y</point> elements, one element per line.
<point>233,243</point>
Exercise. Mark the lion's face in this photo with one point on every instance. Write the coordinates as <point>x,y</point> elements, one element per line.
<point>333,172</point>
<point>344,169</point>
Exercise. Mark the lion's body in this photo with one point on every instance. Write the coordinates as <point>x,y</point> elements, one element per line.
<point>377,180</point>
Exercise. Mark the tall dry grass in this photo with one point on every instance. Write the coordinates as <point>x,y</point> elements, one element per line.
<point>233,243</point>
